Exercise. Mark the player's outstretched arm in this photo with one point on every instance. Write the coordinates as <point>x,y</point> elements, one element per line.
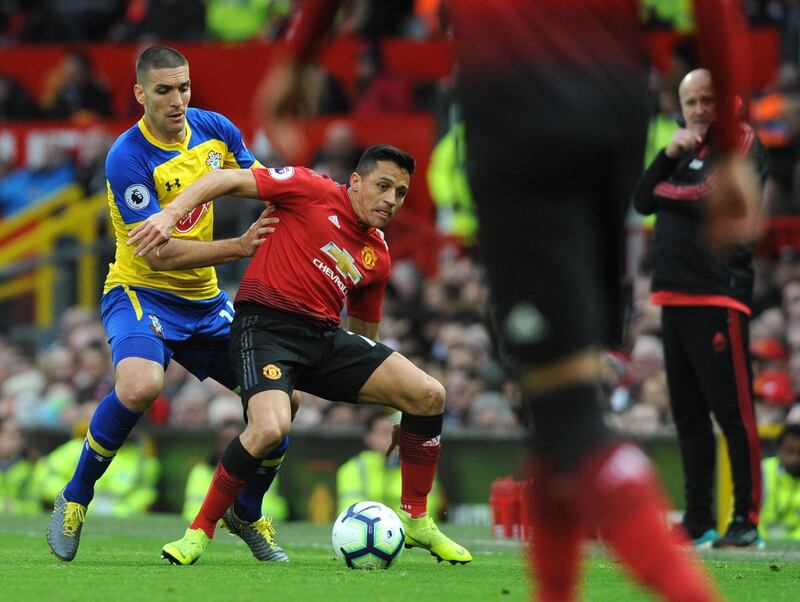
<point>157,229</point>
<point>179,254</point>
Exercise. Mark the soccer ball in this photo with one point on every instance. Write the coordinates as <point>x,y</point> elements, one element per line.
<point>368,535</point>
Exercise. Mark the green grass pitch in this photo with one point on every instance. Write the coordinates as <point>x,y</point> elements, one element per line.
<point>119,560</point>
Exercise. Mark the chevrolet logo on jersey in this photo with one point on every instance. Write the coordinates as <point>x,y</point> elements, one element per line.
<point>345,264</point>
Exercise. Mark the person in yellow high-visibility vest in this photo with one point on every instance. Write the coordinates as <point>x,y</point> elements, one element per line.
<point>17,492</point>
<point>370,475</point>
<point>780,510</point>
<point>127,488</point>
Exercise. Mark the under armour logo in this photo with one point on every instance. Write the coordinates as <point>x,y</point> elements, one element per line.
<point>177,184</point>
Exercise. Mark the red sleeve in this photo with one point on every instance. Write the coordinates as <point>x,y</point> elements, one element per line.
<point>722,41</point>
<point>283,186</point>
<point>365,303</point>
<point>307,31</point>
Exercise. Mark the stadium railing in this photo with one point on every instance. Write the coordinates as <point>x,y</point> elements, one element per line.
<point>30,257</point>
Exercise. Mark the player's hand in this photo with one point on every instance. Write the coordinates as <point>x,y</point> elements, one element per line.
<point>277,101</point>
<point>153,232</point>
<point>683,140</point>
<point>395,439</point>
<point>734,211</point>
<point>257,232</point>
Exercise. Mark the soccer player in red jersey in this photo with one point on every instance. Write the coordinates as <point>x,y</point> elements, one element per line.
<point>327,253</point>
<point>553,96</point>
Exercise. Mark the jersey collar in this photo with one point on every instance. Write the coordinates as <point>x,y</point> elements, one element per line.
<point>163,145</point>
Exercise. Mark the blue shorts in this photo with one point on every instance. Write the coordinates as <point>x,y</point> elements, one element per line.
<point>159,326</point>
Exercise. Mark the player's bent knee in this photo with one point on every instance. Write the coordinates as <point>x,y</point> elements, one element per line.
<point>429,400</point>
<point>261,436</point>
<point>138,394</point>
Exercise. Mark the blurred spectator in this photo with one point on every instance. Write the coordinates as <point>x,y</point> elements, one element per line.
<point>767,353</point>
<point>379,90</point>
<point>647,359</point>
<point>273,506</point>
<point>91,163</point>
<point>87,20</point>
<point>614,380</point>
<point>773,395</point>
<point>370,475</point>
<point>430,14</point>
<point>645,316</point>
<point>127,488</point>
<point>448,185</point>
<point>776,117</point>
<point>15,102</point>
<point>375,19</point>
<point>162,20</point>
<point>17,491</point>
<point>769,324</point>
<point>664,123</point>
<point>73,91</point>
<point>189,408</point>
<point>28,185</point>
<point>240,20</point>
<point>93,380</point>
<point>780,507</point>
<point>339,153</point>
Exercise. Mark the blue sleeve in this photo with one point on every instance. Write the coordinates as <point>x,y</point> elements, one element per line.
<point>131,183</point>
<point>238,154</point>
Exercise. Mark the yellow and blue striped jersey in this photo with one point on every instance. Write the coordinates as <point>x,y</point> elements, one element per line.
<point>144,175</point>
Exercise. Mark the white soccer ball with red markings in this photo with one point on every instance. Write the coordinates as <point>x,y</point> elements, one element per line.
<point>368,535</point>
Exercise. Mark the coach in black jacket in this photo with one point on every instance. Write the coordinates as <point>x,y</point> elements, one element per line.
<point>705,318</point>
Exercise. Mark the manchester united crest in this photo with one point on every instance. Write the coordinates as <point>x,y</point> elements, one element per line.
<point>272,372</point>
<point>369,257</point>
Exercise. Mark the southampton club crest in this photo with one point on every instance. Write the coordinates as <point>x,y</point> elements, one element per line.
<point>155,325</point>
<point>214,160</point>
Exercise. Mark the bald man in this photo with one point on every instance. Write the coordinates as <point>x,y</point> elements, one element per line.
<point>706,299</point>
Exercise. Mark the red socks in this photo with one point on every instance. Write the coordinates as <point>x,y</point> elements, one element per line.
<point>615,492</point>
<point>556,538</point>
<point>620,495</point>
<point>223,490</point>
<point>419,457</point>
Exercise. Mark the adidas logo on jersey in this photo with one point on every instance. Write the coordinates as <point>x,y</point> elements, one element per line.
<point>334,220</point>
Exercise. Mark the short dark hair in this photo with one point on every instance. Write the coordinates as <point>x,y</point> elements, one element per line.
<point>384,152</point>
<point>158,57</point>
<point>790,430</point>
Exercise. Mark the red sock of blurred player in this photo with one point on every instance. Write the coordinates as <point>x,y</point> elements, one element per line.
<point>617,492</point>
<point>556,536</point>
<point>419,456</point>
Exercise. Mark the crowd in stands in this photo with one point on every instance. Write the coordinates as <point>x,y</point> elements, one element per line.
<point>48,21</point>
<point>439,322</point>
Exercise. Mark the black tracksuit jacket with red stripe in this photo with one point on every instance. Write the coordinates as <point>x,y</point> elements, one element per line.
<point>676,190</point>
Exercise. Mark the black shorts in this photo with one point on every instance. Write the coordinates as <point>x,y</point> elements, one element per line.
<point>551,211</point>
<point>275,350</point>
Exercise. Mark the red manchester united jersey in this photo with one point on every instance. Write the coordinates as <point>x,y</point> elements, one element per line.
<point>318,255</point>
